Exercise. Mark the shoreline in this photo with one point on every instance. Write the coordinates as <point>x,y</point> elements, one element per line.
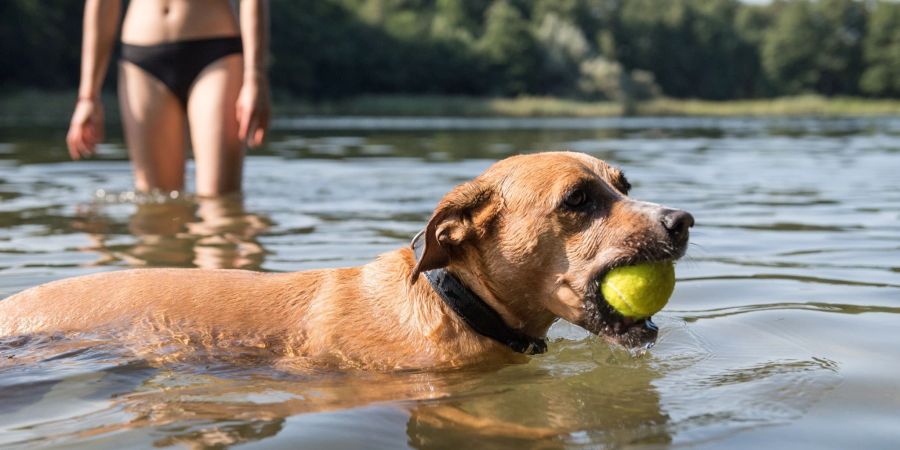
<point>54,108</point>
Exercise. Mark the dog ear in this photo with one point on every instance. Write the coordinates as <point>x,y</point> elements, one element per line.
<point>461,215</point>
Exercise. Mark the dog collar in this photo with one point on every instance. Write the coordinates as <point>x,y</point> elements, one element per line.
<point>477,314</point>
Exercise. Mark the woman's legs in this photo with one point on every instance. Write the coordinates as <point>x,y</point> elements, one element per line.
<point>154,130</point>
<point>218,153</point>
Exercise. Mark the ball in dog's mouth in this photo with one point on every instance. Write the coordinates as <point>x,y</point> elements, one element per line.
<point>603,320</point>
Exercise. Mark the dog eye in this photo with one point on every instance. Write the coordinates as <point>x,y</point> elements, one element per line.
<point>576,199</point>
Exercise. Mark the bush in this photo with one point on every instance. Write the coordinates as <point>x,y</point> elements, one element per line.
<point>602,79</point>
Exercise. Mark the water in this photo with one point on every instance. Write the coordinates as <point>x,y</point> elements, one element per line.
<point>782,329</point>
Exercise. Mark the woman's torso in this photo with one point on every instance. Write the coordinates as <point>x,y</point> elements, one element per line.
<point>149,22</point>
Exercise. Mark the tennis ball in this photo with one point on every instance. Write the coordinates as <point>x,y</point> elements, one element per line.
<point>641,290</point>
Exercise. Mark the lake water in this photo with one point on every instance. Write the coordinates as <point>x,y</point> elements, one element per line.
<point>783,329</point>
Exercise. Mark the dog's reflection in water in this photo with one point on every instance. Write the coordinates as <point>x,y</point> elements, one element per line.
<point>209,233</point>
<point>609,404</point>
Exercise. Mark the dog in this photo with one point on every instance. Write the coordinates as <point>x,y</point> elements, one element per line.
<point>502,257</point>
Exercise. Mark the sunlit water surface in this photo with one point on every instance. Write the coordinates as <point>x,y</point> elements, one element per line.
<point>783,329</point>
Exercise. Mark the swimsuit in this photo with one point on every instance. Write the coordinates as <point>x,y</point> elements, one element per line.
<point>177,64</point>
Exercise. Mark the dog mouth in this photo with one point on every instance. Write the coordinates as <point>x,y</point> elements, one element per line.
<point>602,319</point>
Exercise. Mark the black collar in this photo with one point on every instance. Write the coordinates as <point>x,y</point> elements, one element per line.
<point>474,311</point>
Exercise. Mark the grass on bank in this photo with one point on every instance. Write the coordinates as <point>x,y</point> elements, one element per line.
<point>55,108</point>
<point>560,107</point>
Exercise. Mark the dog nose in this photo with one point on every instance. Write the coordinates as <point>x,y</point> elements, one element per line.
<point>677,222</point>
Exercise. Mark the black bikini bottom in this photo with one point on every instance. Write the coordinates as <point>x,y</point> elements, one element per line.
<point>177,64</point>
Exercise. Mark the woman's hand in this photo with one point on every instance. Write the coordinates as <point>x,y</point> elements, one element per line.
<point>253,111</point>
<point>86,128</point>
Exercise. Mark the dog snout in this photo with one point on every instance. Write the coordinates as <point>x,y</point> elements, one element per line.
<point>677,223</point>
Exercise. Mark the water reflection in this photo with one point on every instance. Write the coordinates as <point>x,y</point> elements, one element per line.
<point>557,401</point>
<point>209,233</point>
<point>513,406</point>
<point>223,435</point>
<point>606,403</point>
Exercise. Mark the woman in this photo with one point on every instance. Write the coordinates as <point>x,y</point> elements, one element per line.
<point>181,59</point>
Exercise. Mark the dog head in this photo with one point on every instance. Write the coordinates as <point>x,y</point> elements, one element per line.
<point>533,234</point>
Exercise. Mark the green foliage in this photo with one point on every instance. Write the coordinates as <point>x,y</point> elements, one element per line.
<point>816,47</point>
<point>324,50</point>
<point>563,47</point>
<point>509,49</point>
<point>602,79</point>
<point>751,24</point>
<point>40,43</point>
<point>691,46</point>
<point>619,50</point>
<point>882,51</point>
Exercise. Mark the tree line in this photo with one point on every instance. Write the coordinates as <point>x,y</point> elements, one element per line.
<point>592,49</point>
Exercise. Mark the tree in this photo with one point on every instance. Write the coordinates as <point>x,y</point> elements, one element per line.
<point>509,50</point>
<point>816,47</point>
<point>40,43</point>
<point>690,46</point>
<point>459,17</point>
<point>563,48</point>
<point>751,24</point>
<point>882,51</point>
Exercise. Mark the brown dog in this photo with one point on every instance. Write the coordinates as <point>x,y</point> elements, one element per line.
<point>502,257</point>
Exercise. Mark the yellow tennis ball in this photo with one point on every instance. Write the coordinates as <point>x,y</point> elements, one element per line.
<point>641,290</point>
